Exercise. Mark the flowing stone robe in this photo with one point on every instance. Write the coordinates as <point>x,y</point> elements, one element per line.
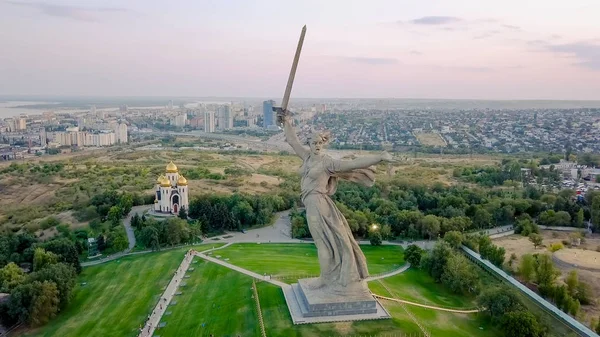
<point>340,258</point>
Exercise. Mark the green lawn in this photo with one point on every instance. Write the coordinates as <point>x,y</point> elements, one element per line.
<point>417,286</point>
<point>293,261</point>
<point>278,322</point>
<point>118,296</point>
<point>217,297</point>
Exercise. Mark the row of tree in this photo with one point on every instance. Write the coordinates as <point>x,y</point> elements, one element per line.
<point>154,234</point>
<point>218,213</point>
<point>447,265</point>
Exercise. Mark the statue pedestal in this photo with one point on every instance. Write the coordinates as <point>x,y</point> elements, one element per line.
<point>326,304</point>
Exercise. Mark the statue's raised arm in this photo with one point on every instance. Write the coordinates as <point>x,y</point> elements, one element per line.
<point>290,134</point>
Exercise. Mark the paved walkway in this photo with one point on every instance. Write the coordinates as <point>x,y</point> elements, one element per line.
<point>242,270</point>
<point>165,299</point>
<point>395,272</point>
<point>459,311</point>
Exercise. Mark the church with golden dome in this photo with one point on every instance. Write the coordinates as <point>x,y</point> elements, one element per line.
<point>171,191</point>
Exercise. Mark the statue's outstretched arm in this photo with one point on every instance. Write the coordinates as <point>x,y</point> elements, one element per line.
<point>292,139</point>
<point>361,163</point>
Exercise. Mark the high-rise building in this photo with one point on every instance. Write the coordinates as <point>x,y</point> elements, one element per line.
<point>268,119</point>
<point>93,110</point>
<point>43,137</point>
<point>121,133</point>
<point>209,121</point>
<point>179,120</point>
<point>225,117</point>
<point>21,124</point>
<point>170,105</point>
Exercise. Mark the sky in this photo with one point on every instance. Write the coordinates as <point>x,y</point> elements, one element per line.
<point>459,49</point>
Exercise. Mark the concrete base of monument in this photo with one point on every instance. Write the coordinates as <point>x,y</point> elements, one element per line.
<point>352,303</point>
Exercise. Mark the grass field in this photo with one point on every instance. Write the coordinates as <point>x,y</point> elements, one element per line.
<point>293,261</point>
<point>216,297</point>
<point>278,321</point>
<point>117,296</point>
<point>416,286</point>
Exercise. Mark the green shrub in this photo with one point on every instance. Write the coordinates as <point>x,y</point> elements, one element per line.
<point>556,247</point>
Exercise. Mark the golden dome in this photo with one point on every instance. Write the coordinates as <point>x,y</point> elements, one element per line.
<point>171,168</point>
<point>160,179</point>
<point>181,181</point>
<point>165,182</point>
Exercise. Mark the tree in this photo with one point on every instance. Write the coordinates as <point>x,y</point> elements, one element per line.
<point>545,273</point>
<point>45,303</point>
<point>375,238</point>
<point>177,231</point>
<point>579,219</point>
<point>136,221</point>
<point>117,240</point>
<point>63,275</point>
<point>498,301</point>
<point>536,239</point>
<point>572,282</point>
<point>114,215</point>
<point>482,218</point>
<point>434,261</point>
<point>521,324</point>
<point>182,213</point>
<point>149,238</point>
<point>11,276</point>
<point>527,267</point>
<point>595,212</point>
<point>430,226</point>
<point>244,213</point>
<point>125,204</point>
<point>386,232</point>
<point>20,301</point>
<point>413,254</point>
<point>460,275</point>
<point>42,258</point>
<point>454,238</point>
<point>66,251</point>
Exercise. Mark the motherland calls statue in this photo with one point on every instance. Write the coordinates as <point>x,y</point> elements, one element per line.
<point>340,290</point>
<point>340,258</point>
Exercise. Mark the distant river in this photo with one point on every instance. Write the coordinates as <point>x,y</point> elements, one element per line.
<point>7,108</point>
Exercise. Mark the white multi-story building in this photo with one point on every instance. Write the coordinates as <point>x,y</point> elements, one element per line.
<point>179,120</point>
<point>21,124</point>
<point>209,121</point>
<point>121,133</point>
<point>171,191</point>
<point>225,117</point>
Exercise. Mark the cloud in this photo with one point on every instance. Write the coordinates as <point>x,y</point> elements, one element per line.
<point>511,27</point>
<point>371,60</point>
<point>89,14</point>
<point>487,34</point>
<point>587,54</point>
<point>415,52</point>
<point>472,69</point>
<point>436,20</point>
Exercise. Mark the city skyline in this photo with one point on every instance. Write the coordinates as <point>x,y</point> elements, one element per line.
<point>462,50</point>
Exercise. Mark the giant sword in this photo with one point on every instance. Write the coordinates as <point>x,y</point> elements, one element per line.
<point>282,110</point>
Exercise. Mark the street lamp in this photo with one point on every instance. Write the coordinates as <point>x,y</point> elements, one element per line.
<point>374,227</point>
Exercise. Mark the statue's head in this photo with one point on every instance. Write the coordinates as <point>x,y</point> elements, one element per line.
<point>317,141</point>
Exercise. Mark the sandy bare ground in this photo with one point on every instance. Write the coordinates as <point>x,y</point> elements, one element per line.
<point>520,245</point>
<point>584,258</point>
